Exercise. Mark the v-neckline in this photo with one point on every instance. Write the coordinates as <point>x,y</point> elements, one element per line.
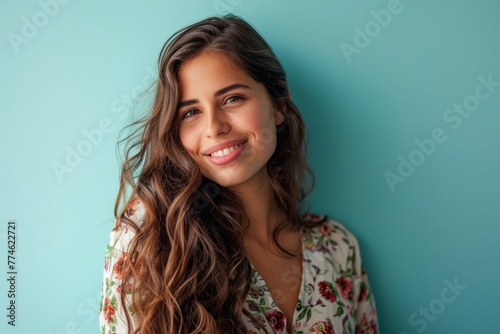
<point>301,289</point>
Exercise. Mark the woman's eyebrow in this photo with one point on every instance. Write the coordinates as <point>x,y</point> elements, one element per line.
<point>217,93</point>
<point>230,87</point>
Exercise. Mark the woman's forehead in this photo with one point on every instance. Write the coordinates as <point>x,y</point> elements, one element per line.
<point>210,71</point>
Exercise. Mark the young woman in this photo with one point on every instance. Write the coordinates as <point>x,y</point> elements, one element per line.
<point>215,236</point>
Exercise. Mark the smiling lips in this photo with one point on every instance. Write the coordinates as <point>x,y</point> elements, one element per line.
<point>223,146</point>
<point>226,151</point>
<point>221,156</point>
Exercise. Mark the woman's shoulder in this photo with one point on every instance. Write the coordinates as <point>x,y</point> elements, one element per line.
<point>327,226</point>
<point>327,236</point>
<point>123,232</point>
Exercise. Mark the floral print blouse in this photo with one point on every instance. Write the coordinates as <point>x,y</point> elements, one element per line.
<point>335,295</point>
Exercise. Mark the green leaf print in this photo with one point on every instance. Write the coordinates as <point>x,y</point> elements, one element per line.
<point>109,285</point>
<point>340,311</point>
<point>347,273</point>
<point>114,302</point>
<point>109,251</point>
<point>302,314</point>
<point>131,311</point>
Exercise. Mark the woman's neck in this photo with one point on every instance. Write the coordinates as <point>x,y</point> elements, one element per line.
<point>260,207</point>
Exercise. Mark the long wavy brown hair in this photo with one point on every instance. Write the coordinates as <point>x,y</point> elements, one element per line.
<point>187,264</point>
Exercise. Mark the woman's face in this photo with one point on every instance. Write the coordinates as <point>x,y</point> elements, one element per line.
<point>227,120</point>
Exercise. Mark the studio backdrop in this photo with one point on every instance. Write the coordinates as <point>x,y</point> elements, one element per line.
<point>401,100</point>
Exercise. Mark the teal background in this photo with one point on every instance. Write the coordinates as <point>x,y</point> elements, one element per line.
<point>441,224</point>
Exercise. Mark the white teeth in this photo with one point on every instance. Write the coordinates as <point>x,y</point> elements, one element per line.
<point>226,151</point>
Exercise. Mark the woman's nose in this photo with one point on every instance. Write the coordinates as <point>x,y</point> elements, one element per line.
<point>216,122</point>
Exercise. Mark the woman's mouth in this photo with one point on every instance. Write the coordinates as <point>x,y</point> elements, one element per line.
<point>226,151</point>
<point>227,155</point>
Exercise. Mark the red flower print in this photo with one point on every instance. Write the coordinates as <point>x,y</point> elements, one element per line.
<point>276,319</point>
<point>366,326</point>
<point>128,288</point>
<point>118,267</point>
<point>106,264</point>
<point>326,290</point>
<point>344,285</point>
<point>256,292</point>
<point>253,307</point>
<point>362,293</point>
<point>322,327</point>
<point>109,311</point>
<point>313,217</point>
<point>325,229</point>
<point>132,206</point>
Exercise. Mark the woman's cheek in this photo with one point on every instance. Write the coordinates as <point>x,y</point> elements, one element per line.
<point>187,136</point>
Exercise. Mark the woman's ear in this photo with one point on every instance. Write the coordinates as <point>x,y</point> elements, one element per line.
<point>281,109</point>
<point>280,116</point>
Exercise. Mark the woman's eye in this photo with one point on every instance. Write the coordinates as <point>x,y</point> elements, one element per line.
<point>233,98</point>
<point>189,113</point>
